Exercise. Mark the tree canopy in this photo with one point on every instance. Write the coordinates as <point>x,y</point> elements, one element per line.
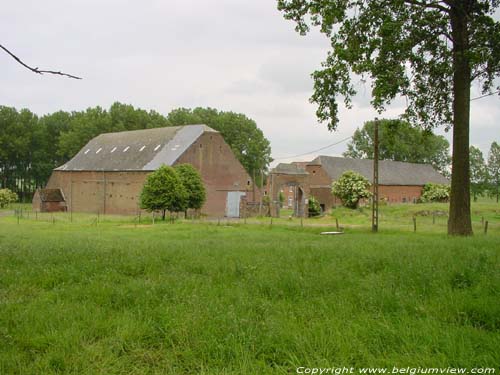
<point>494,167</point>
<point>478,172</point>
<point>427,51</point>
<point>31,146</point>
<point>400,141</point>
<point>350,188</point>
<point>164,191</point>
<point>246,140</point>
<point>193,184</point>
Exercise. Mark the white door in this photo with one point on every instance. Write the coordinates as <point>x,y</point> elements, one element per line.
<point>233,203</point>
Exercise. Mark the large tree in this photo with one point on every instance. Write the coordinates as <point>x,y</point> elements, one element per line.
<point>241,133</point>
<point>400,141</point>
<point>426,50</point>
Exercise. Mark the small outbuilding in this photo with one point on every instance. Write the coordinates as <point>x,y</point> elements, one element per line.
<point>49,200</point>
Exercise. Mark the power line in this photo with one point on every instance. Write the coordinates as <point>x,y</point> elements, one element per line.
<point>345,139</point>
<point>484,96</point>
<point>312,152</point>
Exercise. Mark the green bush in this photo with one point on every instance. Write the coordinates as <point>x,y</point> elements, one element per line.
<point>164,191</point>
<point>7,197</point>
<point>435,193</point>
<point>314,207</point>
<point>193,183</point>
<point>350,188</point>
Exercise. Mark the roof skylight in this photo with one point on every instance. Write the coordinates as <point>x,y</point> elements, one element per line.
<point>98,150</point>
<point>157,147</point>
<point>113,150</point>
<point>126,149</point>
<point>87,151</point>
<point>142,148</point>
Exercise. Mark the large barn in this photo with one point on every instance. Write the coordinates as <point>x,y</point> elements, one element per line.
<point>108,174</point>
<point>399,182</point>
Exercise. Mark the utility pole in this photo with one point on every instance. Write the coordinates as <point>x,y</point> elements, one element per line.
<point>375,179</point>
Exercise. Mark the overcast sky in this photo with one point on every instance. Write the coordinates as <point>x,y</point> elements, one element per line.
<point>233,55</point>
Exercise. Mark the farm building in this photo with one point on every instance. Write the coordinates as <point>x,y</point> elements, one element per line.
<point>399,182</point>
<point>49,200</point>
<point>107,175</point>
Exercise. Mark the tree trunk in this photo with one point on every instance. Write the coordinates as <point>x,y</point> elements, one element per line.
<point>459,222</point>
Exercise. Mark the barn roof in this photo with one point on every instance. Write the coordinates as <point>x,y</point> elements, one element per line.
<point>390,172</point>
<point>290,169</point>
<point>136,150</point>
<point>51,195</point>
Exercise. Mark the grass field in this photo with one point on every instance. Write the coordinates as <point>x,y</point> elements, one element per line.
<point>115,297</point>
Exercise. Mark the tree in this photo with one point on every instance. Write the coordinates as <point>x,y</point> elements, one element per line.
<point>7,197</point>
<point>400,141</point>
<point>164,191</point>
<point>193,184</point>
<point>314,208</point>
<point>350,188</point>
<point>435,193</point>
<point>246,140</point>
<point>478,172</point>
<point>494,167</point>
<point>426,50</point>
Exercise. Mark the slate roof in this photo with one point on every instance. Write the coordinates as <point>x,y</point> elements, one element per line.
<point>136,150</point>
<point>390,172</point>
<point>289,169</point>
<point>51,195</point>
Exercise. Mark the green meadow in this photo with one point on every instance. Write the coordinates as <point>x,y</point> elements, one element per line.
<point>114,296</point>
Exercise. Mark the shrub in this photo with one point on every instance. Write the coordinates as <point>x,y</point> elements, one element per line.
<point>435,193</point>
<point>7,197</point>
<point>350,188</point>
<point>314,207</point>
<point>164,191</point>
<point>193,184</point>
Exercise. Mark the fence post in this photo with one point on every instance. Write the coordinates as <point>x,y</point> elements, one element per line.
<point>486,227</point>
<point>433,218</point>
<point>337,224</point>
<point>271,221</point>
<point>414,223</point>
<point>301,221</point>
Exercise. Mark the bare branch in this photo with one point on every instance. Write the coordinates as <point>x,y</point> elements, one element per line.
<point>434,5</point>
<point>36,70</point>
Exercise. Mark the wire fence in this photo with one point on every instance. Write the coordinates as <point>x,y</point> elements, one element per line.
<point>428,221</point>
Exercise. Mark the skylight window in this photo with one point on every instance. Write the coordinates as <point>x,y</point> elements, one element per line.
<point>157,147</point>
<point>126,149</point>
<point>87,151</point>
<point>113,150</point>
<point>142,148</point>
<point>98,150</point>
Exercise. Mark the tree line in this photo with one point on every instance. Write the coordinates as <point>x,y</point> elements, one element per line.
<point>32,146</point>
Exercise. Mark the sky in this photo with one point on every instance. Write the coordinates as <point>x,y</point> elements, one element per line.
<point>232,55</point>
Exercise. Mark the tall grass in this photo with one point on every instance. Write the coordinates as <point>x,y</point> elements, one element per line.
<point>186,299</point>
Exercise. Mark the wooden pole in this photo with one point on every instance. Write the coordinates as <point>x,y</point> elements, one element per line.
<point>337,224</point>
<point>414,223</point>
<point>486,227</point>
<point>375,179</point>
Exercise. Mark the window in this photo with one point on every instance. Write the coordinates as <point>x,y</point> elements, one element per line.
<point>98,150</point>
<point>142,148</point>
<point>157,147</point>
<point>87,151</point>
<point>290,189</point>
<point>126,149</point>
<point>113,150</point>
